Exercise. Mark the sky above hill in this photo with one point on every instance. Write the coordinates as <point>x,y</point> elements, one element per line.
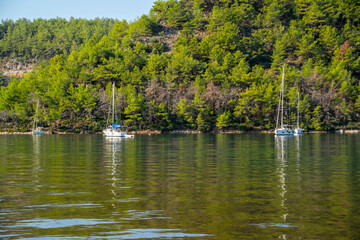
<point>89,9</point>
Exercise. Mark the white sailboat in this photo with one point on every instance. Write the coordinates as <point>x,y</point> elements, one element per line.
<point>284,129</point>
<point>37,130</point>
<point>115,129</point>
<point>298,129</point>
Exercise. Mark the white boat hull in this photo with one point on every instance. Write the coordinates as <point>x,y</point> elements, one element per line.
<point>117,134</point>
<point>299,131</point>
<point>284,132</point>
<point>38,132</point>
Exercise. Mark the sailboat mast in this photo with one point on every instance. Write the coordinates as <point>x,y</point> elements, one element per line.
<point>36,115</point>
<point>282,97</point>
<point>278,111</point>
<point>37,112</point>
<point>113,103</point>
<point>298,109</point>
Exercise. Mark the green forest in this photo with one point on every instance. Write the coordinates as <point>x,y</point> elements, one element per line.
<point>43,39</point>
<point>189,64</point>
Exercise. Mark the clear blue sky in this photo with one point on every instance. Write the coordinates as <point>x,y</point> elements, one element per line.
<point>89,9</point>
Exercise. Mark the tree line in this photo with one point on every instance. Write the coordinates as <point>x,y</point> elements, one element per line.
<point>205,65</point>
<point>43,39</point>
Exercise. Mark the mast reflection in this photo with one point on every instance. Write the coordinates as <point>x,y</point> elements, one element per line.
<point>281,142</point>
<point>113,147</point>
<point>283,145</point>
<point>36,160</point>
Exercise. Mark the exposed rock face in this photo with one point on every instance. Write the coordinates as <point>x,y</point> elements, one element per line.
<point>12,67</point>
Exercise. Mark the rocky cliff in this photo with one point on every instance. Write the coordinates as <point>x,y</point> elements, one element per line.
<point>15,67</point>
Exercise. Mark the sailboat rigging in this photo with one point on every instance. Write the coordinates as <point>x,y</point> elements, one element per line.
<point>37,130</point>
<point>115,129</point>
<point>284,128</point>
<point>298,129</point>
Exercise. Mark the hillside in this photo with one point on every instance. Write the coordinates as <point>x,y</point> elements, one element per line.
<point>201,65</point>
<point>24,43</point>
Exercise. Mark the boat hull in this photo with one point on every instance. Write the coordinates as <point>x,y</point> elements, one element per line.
<point>38,132</point>
<point>117,134</point>
<point>284,132</point>
<point>299,131</point>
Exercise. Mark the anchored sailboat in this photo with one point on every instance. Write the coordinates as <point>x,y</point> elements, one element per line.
<point>283,129</point>
<point>115,129</point>
<point>37,130</point>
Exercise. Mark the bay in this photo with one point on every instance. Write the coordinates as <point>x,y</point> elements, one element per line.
<point>169,186</point>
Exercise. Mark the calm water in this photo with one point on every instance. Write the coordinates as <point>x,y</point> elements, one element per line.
<point>249,186</point>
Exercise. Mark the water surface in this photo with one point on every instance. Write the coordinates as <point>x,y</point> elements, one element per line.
<point>247,186</point>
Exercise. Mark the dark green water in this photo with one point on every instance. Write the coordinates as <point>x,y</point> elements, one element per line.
<point>249,186</point>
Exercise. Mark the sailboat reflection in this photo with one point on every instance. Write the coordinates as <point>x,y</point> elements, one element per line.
<point>114,140</point>
<point>115,145</point>
<point>115,149</point>
<point>283,157</point>
<point>298,142</point>
<point>36,160</point>
<point>282,144</point>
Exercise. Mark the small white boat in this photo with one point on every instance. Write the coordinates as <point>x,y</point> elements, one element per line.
<point>115,129</point>
<point>283,130</point>
<point>298,130</point>
<point>37,130</point>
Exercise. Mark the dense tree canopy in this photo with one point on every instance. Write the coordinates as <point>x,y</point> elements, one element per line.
<point>43,39</point>
<point>195,64</point>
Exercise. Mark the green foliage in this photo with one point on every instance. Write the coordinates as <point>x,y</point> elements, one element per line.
<point>172,12</point>
<point>197,64</point>
<point>159,117</point>
<point>78,105</point>
<point>241,16</point>
<point>317,118</point>
<point>43,39</point>
<point>257,105</point>
<point>202,123</point>
<point>223,121</point>
<point>185,114</point>
<point>143,27</point>
<point>134,108</point>
<point>183,68</point>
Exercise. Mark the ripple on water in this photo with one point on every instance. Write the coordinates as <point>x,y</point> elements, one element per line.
<point>144,215</point>
<point>55,205</point>
<point>59,223</point>
<point>278,225</point>
<point>133,234</point>
<point>152,234</point>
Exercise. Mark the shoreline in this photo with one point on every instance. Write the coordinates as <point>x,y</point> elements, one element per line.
<point>156,132</point>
